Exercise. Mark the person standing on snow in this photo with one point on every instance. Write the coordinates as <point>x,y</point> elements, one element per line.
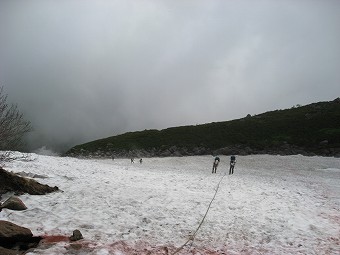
<point>232,164</point>
<point>215,164</point>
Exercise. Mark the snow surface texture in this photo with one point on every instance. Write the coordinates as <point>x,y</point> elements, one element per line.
<point>271,205</point>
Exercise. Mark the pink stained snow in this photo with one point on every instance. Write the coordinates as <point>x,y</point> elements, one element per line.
<point>271,205</point>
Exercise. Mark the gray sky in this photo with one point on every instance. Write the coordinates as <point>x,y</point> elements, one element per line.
<point>83,70</point>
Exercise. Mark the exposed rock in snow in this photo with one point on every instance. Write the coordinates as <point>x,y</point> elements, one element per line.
<point>13,203</point>
<point>16,237</point>
<point>12,182</point>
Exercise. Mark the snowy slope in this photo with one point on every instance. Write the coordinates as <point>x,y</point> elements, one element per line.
<point>271,205</point>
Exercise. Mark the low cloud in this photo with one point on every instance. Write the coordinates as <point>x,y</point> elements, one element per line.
<point>83,70</point>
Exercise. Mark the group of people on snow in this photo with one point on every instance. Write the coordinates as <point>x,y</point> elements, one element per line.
<point>133,161</point>
<point>215,164</point>
<point>232,164</point>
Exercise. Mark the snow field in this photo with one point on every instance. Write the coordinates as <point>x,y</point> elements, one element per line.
<point>271,205</point>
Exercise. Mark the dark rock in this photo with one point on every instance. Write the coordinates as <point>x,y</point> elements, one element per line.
<point>242,153</point>
<point>172,149</point>
<point>248,150</point>
<point>323,143</point>
<point>10,230</point>
<point>14,203</point>
<point>184,151</point>
<point>4,251</point>
<point>177,154</point>
<point>223,151</point>
<point>76,235</point>
<point>16,237</point>
<point>10,182</point>
<point>165,153</point>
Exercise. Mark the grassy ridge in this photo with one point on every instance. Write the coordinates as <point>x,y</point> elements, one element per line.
<point>304,126</point>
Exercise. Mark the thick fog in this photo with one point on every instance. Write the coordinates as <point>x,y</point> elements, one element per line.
<point>82,70</point>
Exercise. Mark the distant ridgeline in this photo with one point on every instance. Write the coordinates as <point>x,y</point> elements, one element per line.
<point>308,130</point>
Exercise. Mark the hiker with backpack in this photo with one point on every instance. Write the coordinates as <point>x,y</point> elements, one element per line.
<point>232,164</point>
<point>215,164</point>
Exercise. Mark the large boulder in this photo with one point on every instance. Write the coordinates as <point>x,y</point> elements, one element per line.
<point>10,182</point>
<point>16,237</point>
<point>11,230</point>
<point>11,233</point>
<point>4,251</point>
<point>13,203</point>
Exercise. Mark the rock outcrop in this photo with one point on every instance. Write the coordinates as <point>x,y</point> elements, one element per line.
<point>4,251</point>
<point>16,237</point>
<point>76,235</point>
<point>13,203</point>
<point>284,148</point>
<point>10,182</point>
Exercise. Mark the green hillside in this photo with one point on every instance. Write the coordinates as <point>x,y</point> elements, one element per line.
<point>311,129</point>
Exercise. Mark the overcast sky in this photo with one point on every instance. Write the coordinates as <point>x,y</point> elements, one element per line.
<point>82,69</point>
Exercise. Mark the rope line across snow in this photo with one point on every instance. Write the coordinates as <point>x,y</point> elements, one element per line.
<point>192,238</point>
